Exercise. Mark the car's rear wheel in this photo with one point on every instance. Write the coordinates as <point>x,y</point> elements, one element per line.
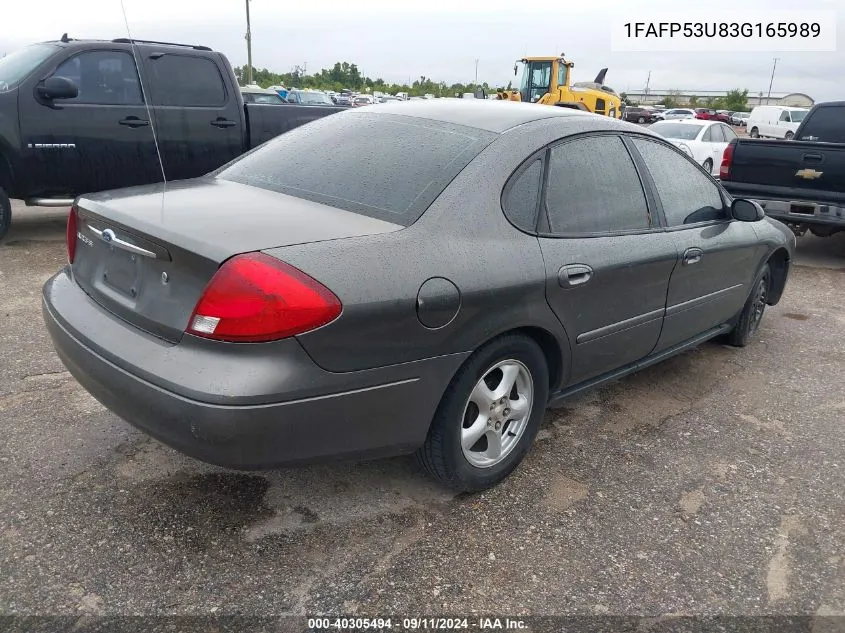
<point>754,133</point>
<point>789,136</point>
<point>5,213</point>
<point>488,416</point>
<point>708,166</point>
<point>752,313</point>
<point>641,120</point>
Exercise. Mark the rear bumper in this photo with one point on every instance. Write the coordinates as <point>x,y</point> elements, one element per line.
<point>803,212</point>
<point>241,406</point>
<point>794,205</point>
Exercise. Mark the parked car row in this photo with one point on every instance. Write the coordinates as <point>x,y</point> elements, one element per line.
<point>649,114</point>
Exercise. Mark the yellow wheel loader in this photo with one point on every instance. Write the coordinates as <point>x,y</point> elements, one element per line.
<point>546,80</point>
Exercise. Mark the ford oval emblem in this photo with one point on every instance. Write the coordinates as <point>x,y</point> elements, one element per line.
<point>108,235</point>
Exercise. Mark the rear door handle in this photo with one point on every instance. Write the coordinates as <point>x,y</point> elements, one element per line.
<point>816,158</point>
<point>133,121</point>
<point>692,256</point>
<point>574,275</point>
<point>221,122</point>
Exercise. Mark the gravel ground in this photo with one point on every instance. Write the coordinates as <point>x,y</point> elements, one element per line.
<point>710,484</point>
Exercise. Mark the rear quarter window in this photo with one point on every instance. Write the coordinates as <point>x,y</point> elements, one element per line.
<point>391,167</point>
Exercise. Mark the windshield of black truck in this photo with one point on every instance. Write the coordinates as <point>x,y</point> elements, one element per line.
<point>15,67</point>
<point>391,167</point>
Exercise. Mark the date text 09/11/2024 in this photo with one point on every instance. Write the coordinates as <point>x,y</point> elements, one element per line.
<point>413,624</point>
<point>722,29</point>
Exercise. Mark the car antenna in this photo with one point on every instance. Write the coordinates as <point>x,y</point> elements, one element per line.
<point>65,38</point>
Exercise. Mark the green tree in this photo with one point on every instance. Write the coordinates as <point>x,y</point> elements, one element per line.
<point>736,100</point>
<point>668,102</point>
<point>693,101</point>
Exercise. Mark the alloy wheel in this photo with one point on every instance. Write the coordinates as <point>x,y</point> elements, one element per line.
<point>497,413</point>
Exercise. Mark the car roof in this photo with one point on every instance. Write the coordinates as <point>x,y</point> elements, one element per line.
<point>485,114</point>
<point>695,122</point>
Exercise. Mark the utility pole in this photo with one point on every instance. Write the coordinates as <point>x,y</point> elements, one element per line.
<point>248,47</point>
<point>476,72</point>
<point>775,65</point>
<point>647,82</point>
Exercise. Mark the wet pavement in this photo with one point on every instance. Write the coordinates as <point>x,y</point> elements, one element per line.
<point>712,483</point>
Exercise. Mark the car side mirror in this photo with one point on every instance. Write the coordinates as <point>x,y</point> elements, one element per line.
<point>58,88</point>
<point>747,211</point>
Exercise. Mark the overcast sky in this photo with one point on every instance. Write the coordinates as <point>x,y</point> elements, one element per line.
<point>401,39</point>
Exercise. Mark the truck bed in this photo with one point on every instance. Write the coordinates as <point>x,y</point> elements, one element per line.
<point>264,121</point>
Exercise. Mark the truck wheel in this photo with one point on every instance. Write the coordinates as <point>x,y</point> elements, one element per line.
<point>752,313</point>
<point>754,133</point>
<point>5,213</point>
<point>789,136</point>
<point>489,415</point>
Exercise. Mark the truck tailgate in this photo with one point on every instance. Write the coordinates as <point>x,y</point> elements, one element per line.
<point>801,165</point>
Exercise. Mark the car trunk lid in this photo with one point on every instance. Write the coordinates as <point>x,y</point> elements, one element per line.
<point>147,253</point>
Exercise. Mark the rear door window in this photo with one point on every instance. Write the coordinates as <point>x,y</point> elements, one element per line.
<point>593,188</point>
<point>391,167</point>
<point>186,80</point>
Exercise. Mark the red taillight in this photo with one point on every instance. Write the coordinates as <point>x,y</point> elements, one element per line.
<point>727,158</point>
<point>71,234</point>
<point>255,297</point>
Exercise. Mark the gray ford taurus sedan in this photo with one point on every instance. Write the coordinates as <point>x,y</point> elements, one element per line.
<point>476,263</point>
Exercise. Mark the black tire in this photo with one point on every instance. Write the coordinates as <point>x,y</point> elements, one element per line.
<point>708,166</point>
<point>441,454</point>
<point>752,312</point>
<point>641,120</point>
<point>754,133</point>
<point>5,213</point>
<point>789,136</point>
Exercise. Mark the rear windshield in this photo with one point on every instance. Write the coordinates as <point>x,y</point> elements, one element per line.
<point>678,131</point>
<point>826,125</point>
<point>391,167</point>
<point>314,97</point>
<point>797,115</point>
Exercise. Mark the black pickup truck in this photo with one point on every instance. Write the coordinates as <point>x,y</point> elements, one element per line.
<point>800,182</point>
<point>78,116</point>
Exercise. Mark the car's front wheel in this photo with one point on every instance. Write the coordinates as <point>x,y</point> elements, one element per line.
<point>752,313</point>
<point>641,120</point>
<point>708,166</point>
<point>488,416</point>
